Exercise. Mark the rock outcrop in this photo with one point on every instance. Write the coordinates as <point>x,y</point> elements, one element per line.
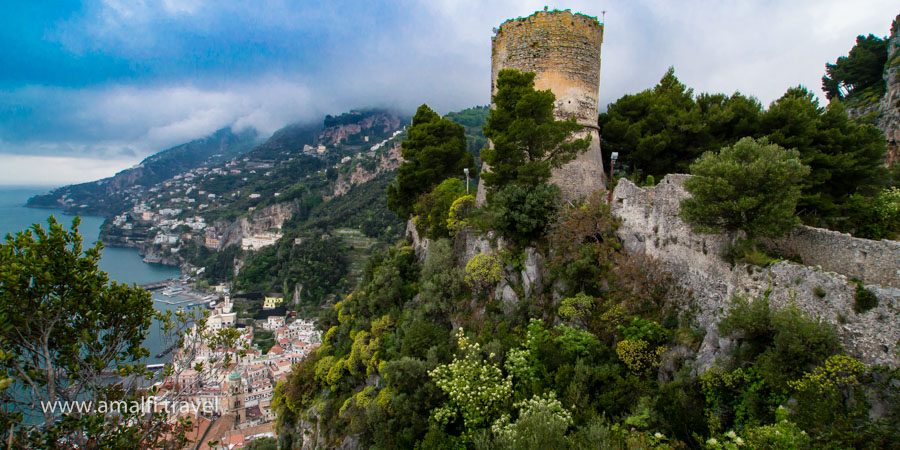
<point>265,219</point>
<point>388,161</point>
<point>887,110</point>
<point>651,225</point>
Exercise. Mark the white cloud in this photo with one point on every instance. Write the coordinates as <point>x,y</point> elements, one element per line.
<point>24,170</point>
<point>438,53</point>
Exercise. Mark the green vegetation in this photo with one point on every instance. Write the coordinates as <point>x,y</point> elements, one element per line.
<point>502,377</point>
<point>319,265</point>
<point>64,330</point>
<point>752,186</point>
<point>864,299</point>
<point>77,321</point>
<point>527,140</point>
<point>857,77</point>
<point>522,213</point>
<point>435,150</point>
<point>664,129</point>
<point>432,210</point>
<point>473,119</point>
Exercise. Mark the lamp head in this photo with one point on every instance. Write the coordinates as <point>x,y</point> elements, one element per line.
<point>466,170</point>
<point>614,156</point>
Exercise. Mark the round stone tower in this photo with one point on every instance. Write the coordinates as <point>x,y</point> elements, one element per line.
<point>563,50</point>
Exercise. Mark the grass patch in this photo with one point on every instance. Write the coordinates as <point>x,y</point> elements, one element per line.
<point>747,251</point>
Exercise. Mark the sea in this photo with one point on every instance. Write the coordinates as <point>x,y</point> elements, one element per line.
<point>122,264</point>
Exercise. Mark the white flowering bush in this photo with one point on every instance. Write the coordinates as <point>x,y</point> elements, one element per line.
<point>782,434</point>
<point>542,423</point>
<point>476,388</point>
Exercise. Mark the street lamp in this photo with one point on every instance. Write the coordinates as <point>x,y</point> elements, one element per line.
<point>466,170</point>
<point>612,162</point>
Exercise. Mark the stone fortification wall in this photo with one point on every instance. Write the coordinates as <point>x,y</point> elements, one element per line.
<point>875,262</point>
<point>563,50</point>
<point>651,225</point>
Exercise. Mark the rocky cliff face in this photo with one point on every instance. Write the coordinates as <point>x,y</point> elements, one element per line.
<point>651,225</point>
<point>887,110</point>
<point>889,107</point>
<point>389,161</point>
<point>266,219</point>
<point>383,122</point>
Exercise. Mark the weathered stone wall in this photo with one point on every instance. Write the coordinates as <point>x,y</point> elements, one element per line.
<point>563,50</point>
<point>651,225</point>
<point>875,262</point>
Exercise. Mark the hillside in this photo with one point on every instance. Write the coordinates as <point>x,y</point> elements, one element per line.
<point>882,107</point>
<point>115,194</point>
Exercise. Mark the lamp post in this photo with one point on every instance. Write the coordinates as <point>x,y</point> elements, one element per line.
<point>466,170</point>
<point>612,162</point>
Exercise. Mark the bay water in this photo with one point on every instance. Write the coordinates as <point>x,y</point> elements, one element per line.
<point>124,265</point>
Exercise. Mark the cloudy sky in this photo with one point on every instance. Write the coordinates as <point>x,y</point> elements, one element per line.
<point>89,88</point>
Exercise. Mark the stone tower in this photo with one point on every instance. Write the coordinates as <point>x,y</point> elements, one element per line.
<point>563,50</point>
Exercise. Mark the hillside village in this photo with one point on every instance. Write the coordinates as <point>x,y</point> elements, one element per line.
<point>239,392</point>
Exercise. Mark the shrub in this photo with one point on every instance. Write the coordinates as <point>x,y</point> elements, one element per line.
<point>783,343</point>
<point>638,355</point>
<point>442,281</point>
<point>864,299</point>
<point>475,388</point>
<point>458,216</point>
<point>752,186</point>
<point>432,209</point>
<point>542,424</point>
<point>522,213</point>
<point>874,218</point>
<point>484,271</point>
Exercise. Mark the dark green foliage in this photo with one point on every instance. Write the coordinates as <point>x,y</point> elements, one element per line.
<point>584,242</point>
<point>661,130</point>
<point>527,140</point>
<point>435,149</point>
<point>318,264</point>
<point>62,323</point>
<point>473,119</point>
<point>522,213</point>
<point>873,218</point>
<point>363,207</point>
<point>773,348</point>
<point>752,186</point>
<point>859,74</point>
<point>844,156</point>
<point>783,343</point>
<point>287,139</point>
<point>864,299</point>
<point>432,208</point>
<point>442,284</point>
<point>219,264</point>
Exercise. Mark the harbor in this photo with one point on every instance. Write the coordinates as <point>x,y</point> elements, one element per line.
<point>175,291</point>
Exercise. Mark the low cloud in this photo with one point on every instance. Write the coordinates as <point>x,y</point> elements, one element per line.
<point>52,171</point>
<point>197,68</point>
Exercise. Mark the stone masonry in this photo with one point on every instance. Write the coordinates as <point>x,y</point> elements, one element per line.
<point>563,50</point>
<point>821,286</point>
